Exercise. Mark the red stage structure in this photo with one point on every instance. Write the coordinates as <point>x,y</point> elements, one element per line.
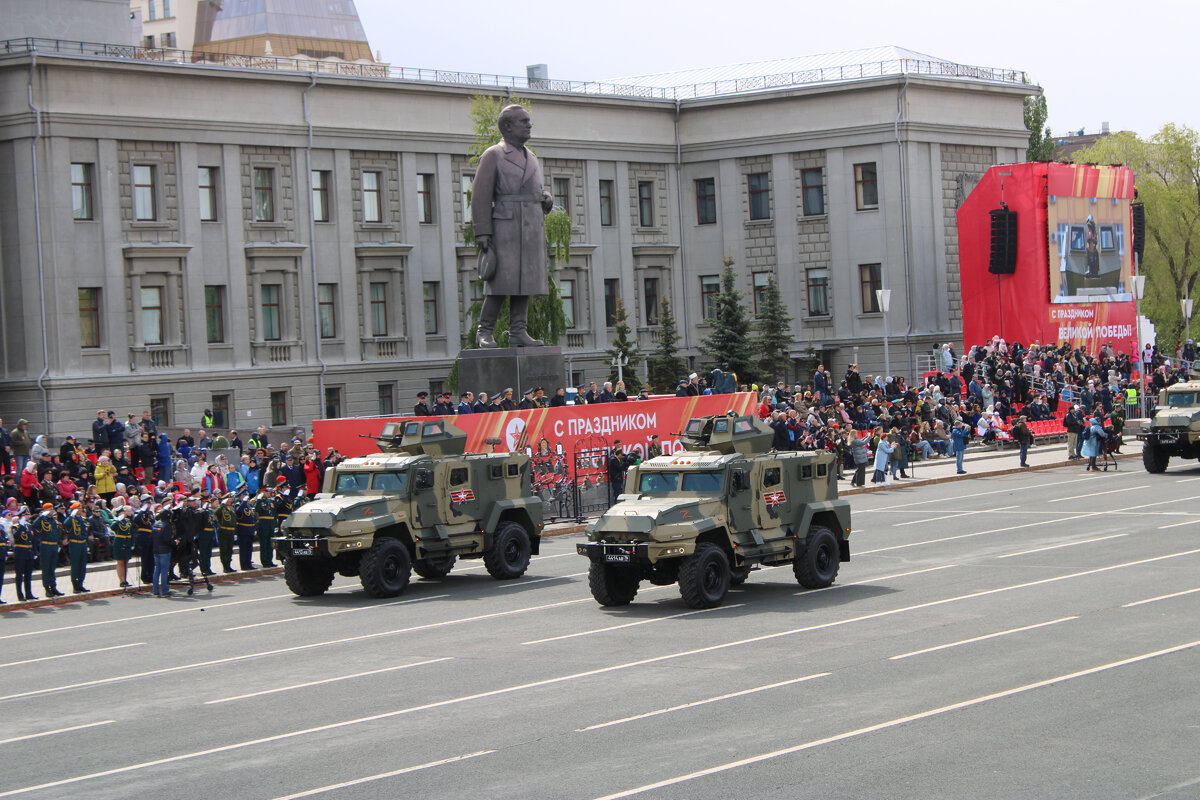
<point>1071,280</point>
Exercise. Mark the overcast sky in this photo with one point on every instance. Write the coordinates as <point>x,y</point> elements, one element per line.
<point>1130,63</point>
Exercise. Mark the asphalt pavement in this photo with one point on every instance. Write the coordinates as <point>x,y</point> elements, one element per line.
<point>1028,634</point>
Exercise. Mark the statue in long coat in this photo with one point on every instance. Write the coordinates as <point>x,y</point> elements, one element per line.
<point>509,205</point>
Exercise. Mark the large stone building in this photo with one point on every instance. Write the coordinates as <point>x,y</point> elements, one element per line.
<point>278,245</point>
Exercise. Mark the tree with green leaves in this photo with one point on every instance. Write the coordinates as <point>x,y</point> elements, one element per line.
<point>1041,143</point>
<point>773,334</point>
<point>666,365</point>
<point>728,345</point>
<point>1167,166</point>
<point>626,349</point>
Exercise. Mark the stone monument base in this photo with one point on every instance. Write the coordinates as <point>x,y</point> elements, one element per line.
<point>520,368</point>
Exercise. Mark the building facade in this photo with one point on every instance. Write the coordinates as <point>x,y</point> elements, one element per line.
<point>280,246</point>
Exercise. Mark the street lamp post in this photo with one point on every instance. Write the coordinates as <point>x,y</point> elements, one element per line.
<point>884,297</point>
<point>1186,305</point>
<point>1139,288</point>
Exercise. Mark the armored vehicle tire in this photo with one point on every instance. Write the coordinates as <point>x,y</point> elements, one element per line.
<point>738,575</point>
<point>1153,457</point>
<point>704,576</point>
<point>509,556</point>
<point>816,566</point>
<point>307,577</point>
<point>612,586</point>
<point>385,568</point>
<point>434,569</point>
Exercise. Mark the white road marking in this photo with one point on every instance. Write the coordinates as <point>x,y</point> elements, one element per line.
<point>68,655</point>
<point>519,584</point>
<point>59,730</point>
<point>323,681</point>
<point>1097,494</point>
<point>891,508</point>
<point>933,712</point>
<point>1186,480</point>
<point>339,611</point>
<point>1065,544</point>
<point>1179,524</point>
<point>1160,597</point>
<point>986,636</point>
<point>952,516</point>
<point>392,774</point>
<point>630,624</point>
<point>868,581</point>
<point>574,676</point>
<point>702,702</point>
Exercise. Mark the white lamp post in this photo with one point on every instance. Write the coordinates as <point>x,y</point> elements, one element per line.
<point>884,297</point>
<point>1139,288</point>
<point>1186,305</point>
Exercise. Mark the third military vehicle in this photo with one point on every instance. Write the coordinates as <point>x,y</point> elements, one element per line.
<point>418,505</point>
<point>1175,428</point>
<point>706,516</point>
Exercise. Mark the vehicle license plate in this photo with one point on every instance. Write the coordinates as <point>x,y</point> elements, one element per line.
<point>302,551</point>
<point>617,558</point>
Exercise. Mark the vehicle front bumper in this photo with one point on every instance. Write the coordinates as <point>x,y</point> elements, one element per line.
<point>633,552</point>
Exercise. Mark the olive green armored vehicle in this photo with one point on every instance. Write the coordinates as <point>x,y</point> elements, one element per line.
<point>705,517</point>
<point>417,506</point>
<point>1175,428</point>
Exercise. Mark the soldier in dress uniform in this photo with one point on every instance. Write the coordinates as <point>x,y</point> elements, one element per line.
<point>143,524</point>
<point>49,538</point>
<point>264,513</point>
<point>24,555</point>
<point>192,525</point>
<point>226,527</point>
<point>421,409</point>
<point>77,546</point>
<point>245,532</point>
<point>284,503</point>
<point>122,528</point>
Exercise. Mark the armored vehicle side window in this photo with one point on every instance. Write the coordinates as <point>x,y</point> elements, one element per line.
<point>821,470</point>
<point>743,426</point>
<point>694,427</point>
<point>434,429</point>
<point>458,476</point>
<point>497,472</point>
<point>721,426</point>
<point>771,477</point>
<point>658,482</point>
<point>1181,399</point>
<point>411,428</point>
<point>513,469</point>
<point>352,482</point>
<point>806,471</point>
<point>390,481</point>
<point>702,482</point>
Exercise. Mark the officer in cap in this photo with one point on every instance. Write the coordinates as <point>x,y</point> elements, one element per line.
<point>23,555</point>
<point>444,405</point>
<point>527,401</point>
<point>49,538</point>
<point>421,409</point>
<point>507,403</point>
<point>264,513</point>
<point>77,546</point>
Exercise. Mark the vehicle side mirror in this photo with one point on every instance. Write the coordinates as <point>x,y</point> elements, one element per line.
<point>424,479</point>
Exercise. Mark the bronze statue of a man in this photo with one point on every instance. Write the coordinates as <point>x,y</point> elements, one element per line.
<point>508,211</point>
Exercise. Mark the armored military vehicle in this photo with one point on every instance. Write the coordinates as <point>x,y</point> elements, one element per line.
<point>417,506</point>
<point>1175,428</point>
<point>706,516</point>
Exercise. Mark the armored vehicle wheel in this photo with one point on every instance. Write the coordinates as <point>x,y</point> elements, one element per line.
<point>1153,457</point>
<point>434,569</point>
<point>509,556</point>
<point>385,568</point>
<point>704,576</point>
<point>612,586</point>
<point>307,577</point>
<point>738,575</point>
<point>816,566</point>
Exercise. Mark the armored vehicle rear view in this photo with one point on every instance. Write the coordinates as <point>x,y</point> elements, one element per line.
<point>419,505</point>
<point>707,516</point>
<point>1175,428</point>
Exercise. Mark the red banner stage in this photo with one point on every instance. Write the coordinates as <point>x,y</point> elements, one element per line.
<point>564,427</point>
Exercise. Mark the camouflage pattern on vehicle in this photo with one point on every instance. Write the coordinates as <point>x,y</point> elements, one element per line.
<point>417,506</point>
<point>1174,430</point>
<point>707,516</point>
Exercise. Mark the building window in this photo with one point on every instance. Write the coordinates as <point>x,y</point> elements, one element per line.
<point>168,39</point>
<point>606,203</point>
<point>279,401</point>
<point>425,198</point>
<point>706,201</point>
<point>372,201</point>
<point>387,401</point>
<point>465,183</point>
<point>562,194</point>
<point>761,279</point>
<point>89,317</point>
<point>650,299</point>
<point>566,293</point>
<point>148,42</point>
<point>866,187</point>
<point>612,291</point>
<point>870,278</point>
<point>152,315</point>
<point>145,208</point>
<point>430,299</point>
<point>646,204</point>
<point>264,194</point>
<point>153,9</point>
<point>710,288</point>
<point>818,292</point>
<point>220,411</point>
<point>333,402</point>
<point>207,181</point>
<point>379,309</point>
<point>760,195</point>
<point>271,319</point>
<point>166,8</point>
<point>327,310</point>
<point>214,314</point>
<point>813,183</point>
<point>81,191</point>
<point>160,411</point>
<point>320,195</point>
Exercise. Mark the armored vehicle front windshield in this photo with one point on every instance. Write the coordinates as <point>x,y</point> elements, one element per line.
<point>1181,398</point>
<point>707,482</point>
<point>350,482</point>
<point>661,483</point>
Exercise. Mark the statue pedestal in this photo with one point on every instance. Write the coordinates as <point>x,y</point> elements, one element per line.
<point>521,368</point>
